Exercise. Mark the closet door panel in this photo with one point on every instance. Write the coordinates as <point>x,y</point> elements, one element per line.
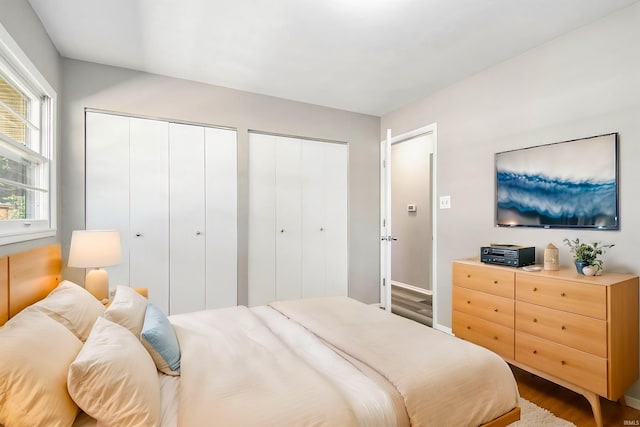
<point>313,219</point>
<point>107,183</point>
<point>336,214</point>
<point>187,218</point>
<point>221,218</point>
<point>288,218</point>
<point>262,219</point>
<point>149,212</point>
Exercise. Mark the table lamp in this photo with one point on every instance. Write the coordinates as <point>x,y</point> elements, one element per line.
<point>95,249</point>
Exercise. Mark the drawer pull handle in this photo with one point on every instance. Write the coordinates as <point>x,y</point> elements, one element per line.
<point>468,302</point>
<point>495,338</point>
<point>468,276</point>
<point>563,294</point>
<point>564,328</point>
<point>469,327</point>
<point>535,351</point>
<point>535,320</point>
<point>562,362</point>
<point>495,282</point>
<point>495,309</point>
<point>535,289</point>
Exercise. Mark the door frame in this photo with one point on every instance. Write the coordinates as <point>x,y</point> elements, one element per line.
<point>385,181</point>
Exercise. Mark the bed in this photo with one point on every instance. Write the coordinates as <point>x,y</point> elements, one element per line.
<point>66,360</point>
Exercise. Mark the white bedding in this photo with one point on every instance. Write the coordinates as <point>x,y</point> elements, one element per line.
<point>328,361</point>
<point>169,397</point>
<point>371,405</point>
<point>443,380</point>
<point>236,372</point>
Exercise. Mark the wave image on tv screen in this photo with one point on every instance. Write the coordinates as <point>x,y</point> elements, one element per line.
<point>569,184</point>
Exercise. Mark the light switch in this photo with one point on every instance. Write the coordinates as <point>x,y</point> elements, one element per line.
<point>445,202</point>
<point>412,208</point>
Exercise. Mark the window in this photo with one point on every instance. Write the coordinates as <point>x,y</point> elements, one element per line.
<point>27,184</point>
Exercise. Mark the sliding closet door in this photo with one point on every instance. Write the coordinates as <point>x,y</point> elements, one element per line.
<point>187,218</point>
<point>107,183</point>
<point>336,233</point>
<point>313,220</point>
<point>288,218</point>
<point>221,218</point>
<point>262,219</point>
<point>149,209</point>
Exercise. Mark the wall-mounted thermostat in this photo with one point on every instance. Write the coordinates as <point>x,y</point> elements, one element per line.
<point>412,208</point>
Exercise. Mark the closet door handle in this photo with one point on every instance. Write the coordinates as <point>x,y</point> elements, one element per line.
<point>138,234</point>
<point>198,233</point>
<point>282,231</point>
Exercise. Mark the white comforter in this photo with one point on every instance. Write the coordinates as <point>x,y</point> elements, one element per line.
<point>236,372</point>
<point>338,363</point>
<point>444,381</point>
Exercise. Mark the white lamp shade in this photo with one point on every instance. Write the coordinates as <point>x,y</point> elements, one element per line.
<point>94,248</point>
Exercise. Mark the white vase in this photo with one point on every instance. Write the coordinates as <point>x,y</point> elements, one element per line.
<point>589,270</point>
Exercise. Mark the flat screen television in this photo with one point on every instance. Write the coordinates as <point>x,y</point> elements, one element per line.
<point>571,184</point>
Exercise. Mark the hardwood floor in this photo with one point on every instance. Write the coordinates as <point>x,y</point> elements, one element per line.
<point>572,406</point>
<point>413,305</point>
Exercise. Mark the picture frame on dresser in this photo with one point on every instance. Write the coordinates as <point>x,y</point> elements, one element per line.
<point>580,332</point>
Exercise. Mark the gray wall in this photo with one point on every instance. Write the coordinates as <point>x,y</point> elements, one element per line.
<point>411,184</point>
<point>88,85</point>
<point>17,17</point>
<point>584,83</point>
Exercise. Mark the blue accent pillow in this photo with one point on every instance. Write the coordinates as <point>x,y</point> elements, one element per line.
<point>160,340</point>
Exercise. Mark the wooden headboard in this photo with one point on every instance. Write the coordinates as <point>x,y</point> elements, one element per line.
<point>27,277</point>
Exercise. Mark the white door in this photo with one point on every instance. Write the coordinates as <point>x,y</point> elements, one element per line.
<point>107,183</point>
<point>313,220</point>
<point>387,234</point>
<point>187,218</point>
<point>324,219</point>
<point>385,225</point>
<point>221,218</point>
<point>297,218</point>
<point>288,196</point>
<point>149,210</point>
<point>262,219</point>
<point>335,229</point>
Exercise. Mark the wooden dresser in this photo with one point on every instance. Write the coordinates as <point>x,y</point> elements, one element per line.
<point>578,331</point>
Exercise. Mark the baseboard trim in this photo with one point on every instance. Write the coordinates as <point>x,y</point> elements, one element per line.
<point>411,287</point>
<point>442,328</point>
<point>632,402</point>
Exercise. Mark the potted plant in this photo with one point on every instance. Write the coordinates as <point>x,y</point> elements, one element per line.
<point>586,254</point>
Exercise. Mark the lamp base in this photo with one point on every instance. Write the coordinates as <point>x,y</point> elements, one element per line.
<point>97,282</point>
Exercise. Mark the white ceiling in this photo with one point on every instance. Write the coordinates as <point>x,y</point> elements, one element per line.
<point>368,56</point>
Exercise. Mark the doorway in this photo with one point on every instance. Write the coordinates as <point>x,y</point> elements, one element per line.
<point>407,223</point>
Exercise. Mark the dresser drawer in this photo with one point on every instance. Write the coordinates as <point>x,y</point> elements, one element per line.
<point>574,297</point>
<point>486,279</point>
<point>577,367</point>
<point>573,330</point>
<point>487,306</point>
<point>496,338</point>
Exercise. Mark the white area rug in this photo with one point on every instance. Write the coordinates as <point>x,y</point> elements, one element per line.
<point>532,415</point>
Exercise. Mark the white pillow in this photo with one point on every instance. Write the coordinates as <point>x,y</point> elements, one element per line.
<point>35,354</point>
<point>114,379</point>
<point>73,306</point>
<point>127,309</point>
